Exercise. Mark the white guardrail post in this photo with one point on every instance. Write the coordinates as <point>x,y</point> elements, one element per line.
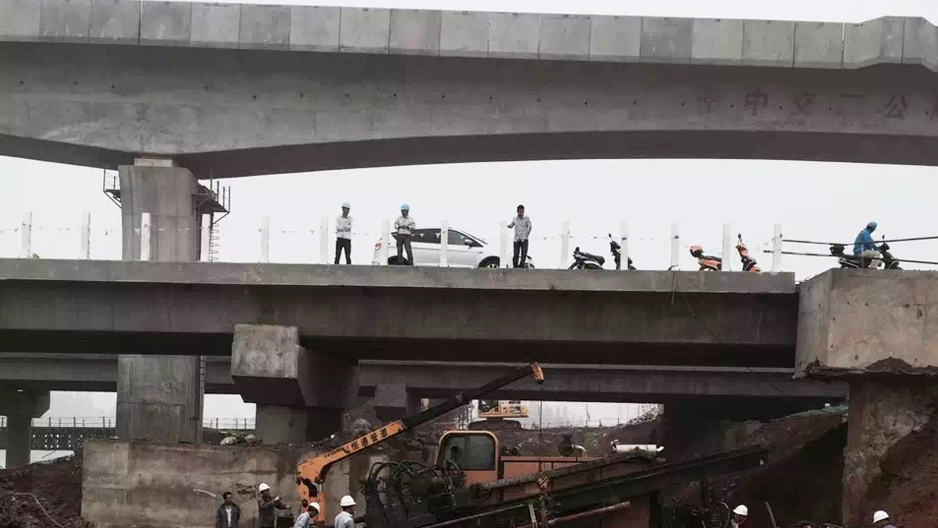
<point>777,249</point>
<point>727,248</point>
<point>624,245</point>
<point>385,242</point>
<point>675,247</point>
<point>324,240</point>
<point>565,244</point>
<point>265,239</point>
<point>85,236</point>
<point>26,235</point>
<point>145,236</point>
<point>444,243</point>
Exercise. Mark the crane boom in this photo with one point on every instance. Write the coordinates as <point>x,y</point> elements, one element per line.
<point>311,473</point>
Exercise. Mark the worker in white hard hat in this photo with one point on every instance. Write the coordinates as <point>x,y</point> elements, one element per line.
<point>404,228</point>
<point>740,517</point>
<point>343,234</point>
<point>881,520</point>
<point>267,507</point>
<point>307,518</point>
<point>346,519</point>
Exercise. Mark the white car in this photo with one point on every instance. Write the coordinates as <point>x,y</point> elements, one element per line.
<point>463,250</point>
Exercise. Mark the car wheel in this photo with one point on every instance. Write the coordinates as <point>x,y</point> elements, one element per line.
<point>491,262</point>
<point>393,261</point>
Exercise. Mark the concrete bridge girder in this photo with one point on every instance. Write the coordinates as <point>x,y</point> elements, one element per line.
<point>210,108</point>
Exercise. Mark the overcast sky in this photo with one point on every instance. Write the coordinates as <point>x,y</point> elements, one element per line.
<point>821,201</point>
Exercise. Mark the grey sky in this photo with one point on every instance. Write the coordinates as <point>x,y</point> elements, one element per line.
<point>822,201</point>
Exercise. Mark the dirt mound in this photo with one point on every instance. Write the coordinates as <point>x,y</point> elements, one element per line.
<point>907,488</point>
<point>801,479</point>
<point>56,485</point>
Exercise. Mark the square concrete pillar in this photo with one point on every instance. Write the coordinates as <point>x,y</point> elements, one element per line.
<point>393,402</point>
<point>159,398</point>
<point>20,407</point>
<point>882,414</point>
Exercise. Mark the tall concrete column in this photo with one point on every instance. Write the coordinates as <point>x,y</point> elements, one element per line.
<point>20,407</point>
<point>882,413</point>
<point>300,394</point>
<point>159,398</point>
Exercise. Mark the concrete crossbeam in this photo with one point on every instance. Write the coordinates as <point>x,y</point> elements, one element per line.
<point>19,19</point>
<point>115,22</point>
<point>818,45</point>
<point>873,42</point>
<point>165,24</point>
<point>609,383</point>
<point>65,20</point>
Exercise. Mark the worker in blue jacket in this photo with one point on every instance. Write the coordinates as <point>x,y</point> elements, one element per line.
<point>864,246</point>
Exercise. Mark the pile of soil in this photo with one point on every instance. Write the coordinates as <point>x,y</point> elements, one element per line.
<point>801,479</point>
<point>56,485</point>
<point>908,486</point>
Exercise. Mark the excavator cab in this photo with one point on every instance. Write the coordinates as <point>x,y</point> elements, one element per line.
<point>475,453</point>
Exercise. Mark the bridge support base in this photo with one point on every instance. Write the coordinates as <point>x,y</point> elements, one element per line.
<point>393,402</point>
<point>300,394</point>
<point>884,414</point>
<point>20,407</point>
<point>159,398</point>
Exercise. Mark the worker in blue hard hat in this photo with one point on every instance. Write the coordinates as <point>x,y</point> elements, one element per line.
<point>404,228</point>
<point>343,234</point>
<point>864,246</point>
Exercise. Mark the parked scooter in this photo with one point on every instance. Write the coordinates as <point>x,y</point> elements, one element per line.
<point>711,263</point>
<point>749,263</point>
<point>846,261</point>
<point>616,250</point>
<point>588,261</point>
<point>706,262</point>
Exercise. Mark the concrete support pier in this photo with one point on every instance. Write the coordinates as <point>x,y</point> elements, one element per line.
<point>875,330</point>
<point>300,394</point>
<point>159,398</point>
<point>20,407</point>
<point>393,401</point>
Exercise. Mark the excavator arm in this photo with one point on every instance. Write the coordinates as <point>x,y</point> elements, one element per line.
<point>311,473</point>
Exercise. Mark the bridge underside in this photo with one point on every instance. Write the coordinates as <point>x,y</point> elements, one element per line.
<point>228,113</point>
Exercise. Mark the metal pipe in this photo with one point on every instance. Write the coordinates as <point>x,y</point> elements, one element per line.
<point>584,515</point>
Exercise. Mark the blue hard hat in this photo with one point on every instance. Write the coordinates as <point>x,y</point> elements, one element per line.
<point>872,225</point>
<point>405,207</point>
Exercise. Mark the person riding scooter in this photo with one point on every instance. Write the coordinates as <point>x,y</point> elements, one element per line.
<point>865,248</point>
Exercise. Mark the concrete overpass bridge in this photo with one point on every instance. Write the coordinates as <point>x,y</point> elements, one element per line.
<point>231,90</point>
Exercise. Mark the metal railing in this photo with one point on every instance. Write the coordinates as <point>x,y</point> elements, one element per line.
<point>107,422</point>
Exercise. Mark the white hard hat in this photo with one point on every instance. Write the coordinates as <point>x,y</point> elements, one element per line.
<point>315,505</point>
<point>347,501</point>
<point>741,510</point>
<point>263,487</point>
<point>880,516</point>
<point>346,205</point>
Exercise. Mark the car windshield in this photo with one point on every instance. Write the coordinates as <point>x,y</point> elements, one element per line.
<point>477,239</point>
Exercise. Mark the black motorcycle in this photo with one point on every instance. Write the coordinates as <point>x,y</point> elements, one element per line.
<point>616,250</point>
<point>588,261</point>
<point>857,262</point>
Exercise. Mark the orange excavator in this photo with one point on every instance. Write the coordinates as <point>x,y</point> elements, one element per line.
<point>311,473</point>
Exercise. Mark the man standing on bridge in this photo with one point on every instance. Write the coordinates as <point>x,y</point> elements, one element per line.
<point>404,228</point>
<point>343,234</point>
<point>522,225</point>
